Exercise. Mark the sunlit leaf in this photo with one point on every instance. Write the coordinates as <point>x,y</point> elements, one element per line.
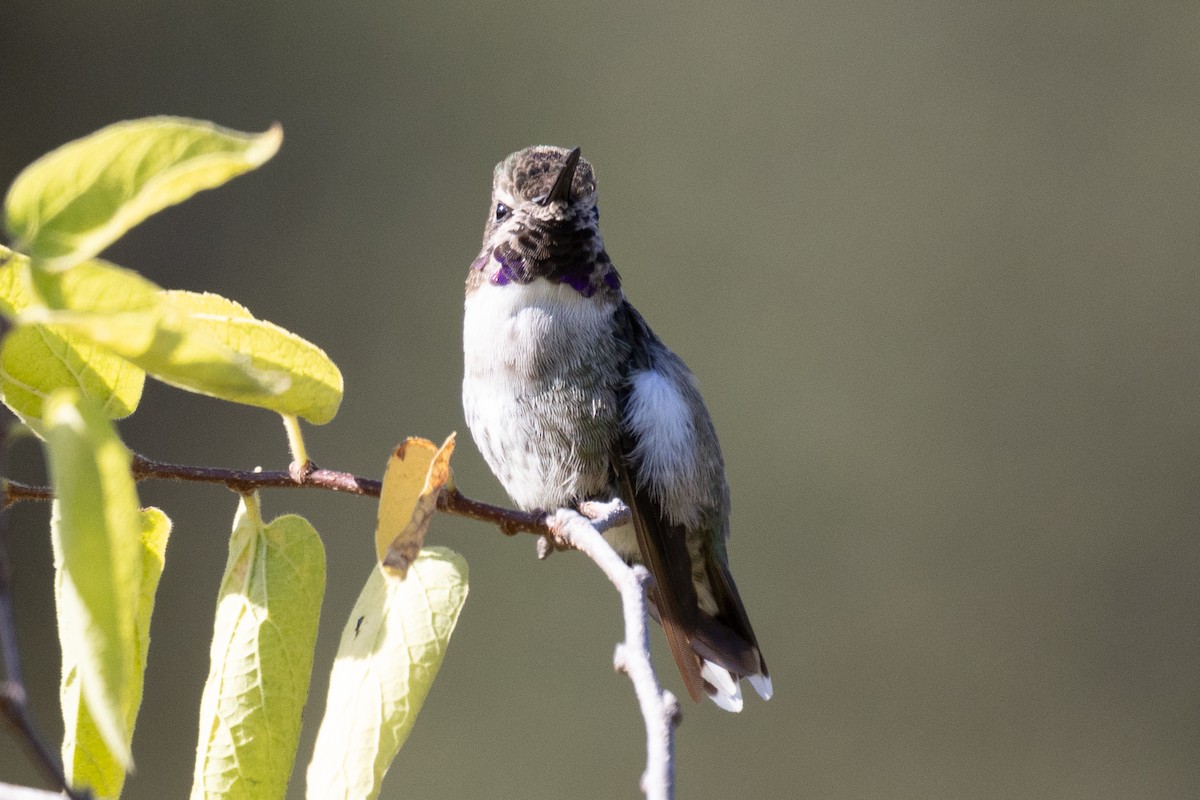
<point>73,202</point>
<point>390,653</point>
<point>87,760</point>
<point>262,650</point>
<point>107,325</point>
<point>136,320</point>
<point>308,384</point>
<point>108,304</point>
<point>416,473</point>
<point>36,359</point>
<point>96,529</point>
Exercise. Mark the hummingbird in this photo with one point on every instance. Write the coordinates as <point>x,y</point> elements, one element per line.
<point>571,397</point>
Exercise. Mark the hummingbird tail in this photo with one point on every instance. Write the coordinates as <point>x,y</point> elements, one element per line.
<point>713,653</point>
<point>725,689</point>
<point>762,685</point>
<point>722,686</point>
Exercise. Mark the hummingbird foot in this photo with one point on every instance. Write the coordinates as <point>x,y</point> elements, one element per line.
<point>554,540</point>
<point>603,515</point>
<point>606,515</point>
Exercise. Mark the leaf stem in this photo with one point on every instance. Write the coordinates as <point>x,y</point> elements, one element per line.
<point>295,438</point>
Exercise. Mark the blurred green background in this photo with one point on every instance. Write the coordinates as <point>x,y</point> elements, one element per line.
<point>934,264</point>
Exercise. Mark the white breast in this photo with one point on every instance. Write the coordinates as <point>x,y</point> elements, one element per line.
<point>510,333</point>
<point>506,328</point>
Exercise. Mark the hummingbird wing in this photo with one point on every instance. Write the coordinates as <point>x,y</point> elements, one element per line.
<point>671,474</point>
<point>664,551</point>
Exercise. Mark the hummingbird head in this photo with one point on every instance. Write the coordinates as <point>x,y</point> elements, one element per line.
<point>543,224</point>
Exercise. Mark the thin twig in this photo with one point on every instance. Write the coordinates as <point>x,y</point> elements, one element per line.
<point>15,491</point>
<point>243,481</point>
<point>660,709</point>
<point>509,521</point>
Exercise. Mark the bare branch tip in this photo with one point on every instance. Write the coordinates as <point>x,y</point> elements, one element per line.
<point>621,659</point>
<point>672,708</point>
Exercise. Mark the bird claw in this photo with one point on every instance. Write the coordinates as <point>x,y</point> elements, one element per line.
<point>605,514</point>
<point>554,540</point>
<point>558,537</point>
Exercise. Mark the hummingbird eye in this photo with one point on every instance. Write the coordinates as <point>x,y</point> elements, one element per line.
<point>502,212</point>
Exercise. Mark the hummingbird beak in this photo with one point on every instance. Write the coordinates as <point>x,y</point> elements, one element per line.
<point>561,191</point>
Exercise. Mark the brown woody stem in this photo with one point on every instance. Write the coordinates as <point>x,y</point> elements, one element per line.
<point>451,501</point>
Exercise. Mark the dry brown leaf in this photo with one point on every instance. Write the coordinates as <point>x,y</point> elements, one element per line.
<point>416,473</point>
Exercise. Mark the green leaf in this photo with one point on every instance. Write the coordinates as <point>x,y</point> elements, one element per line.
<point>135,320</point>
<point>199,342</point>
<point>390,652</point>
<point>96,529</point>
<point>73,202</point>
<point>86,758</point>
<point>36,360</point>
<point>262,649</point>
<point>309,385</point>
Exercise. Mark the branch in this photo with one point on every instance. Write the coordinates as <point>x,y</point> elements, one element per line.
<point>660,709</point>
<point>310,476</point>
<point>245,481</point>
<point>566,528</point>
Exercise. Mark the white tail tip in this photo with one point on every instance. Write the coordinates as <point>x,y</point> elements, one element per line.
<point>762,685</point>
<point>728,693</point>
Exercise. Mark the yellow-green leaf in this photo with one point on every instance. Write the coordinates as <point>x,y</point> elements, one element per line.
<point>73,202</point>
<point>390,652</point>
<point>96,529</point>
<point>308,385</point>
<point>15,282</point>
<point>415,475</point>
<point>200,342</point>
<point>86,758</point>
<point>37,359</point>
<point>154,331</point>
<point>262,650</point>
